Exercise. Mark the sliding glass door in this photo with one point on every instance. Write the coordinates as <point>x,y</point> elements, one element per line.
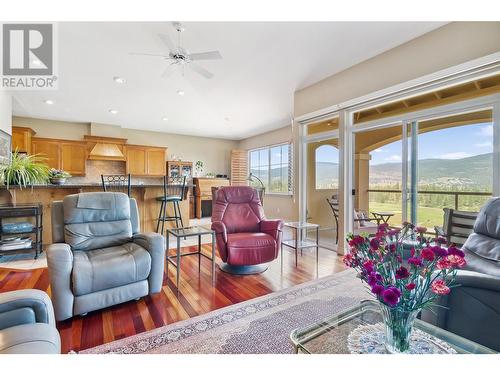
<point>411,170</point>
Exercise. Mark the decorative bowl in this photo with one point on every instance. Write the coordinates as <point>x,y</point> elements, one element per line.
<point>57,180</point>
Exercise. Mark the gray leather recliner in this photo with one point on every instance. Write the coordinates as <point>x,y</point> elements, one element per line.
<point>98,257</point>
<point>27,324</point>
<point>482,248</point>
<point>473,306</point>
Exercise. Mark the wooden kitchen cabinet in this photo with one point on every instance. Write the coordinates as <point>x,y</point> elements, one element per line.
<point>70,156</point>
<point>145,160</point>
<point>21,139</point>
<point>48,149</point>
<point>74,157</point>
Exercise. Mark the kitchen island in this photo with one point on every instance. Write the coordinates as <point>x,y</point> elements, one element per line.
<point>145,194</point>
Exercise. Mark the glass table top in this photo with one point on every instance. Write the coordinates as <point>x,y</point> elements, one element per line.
<point>300,225</point>
<point>190,231</point>
<point>330,335</point>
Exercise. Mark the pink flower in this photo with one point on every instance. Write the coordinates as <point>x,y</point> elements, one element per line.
<point>452,250</point>
<point>443,264</point>
<point>368,266</point>
<point>456,261</point>
<point>440,287</point>
<point>421,230</point>
<point>377,289</point>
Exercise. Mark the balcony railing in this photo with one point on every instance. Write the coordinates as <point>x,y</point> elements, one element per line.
<point>455,194</point>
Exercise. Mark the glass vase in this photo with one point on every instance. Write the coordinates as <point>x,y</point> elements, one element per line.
<point>398,324</point>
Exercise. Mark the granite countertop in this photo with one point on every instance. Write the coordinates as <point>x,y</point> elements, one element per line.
<point>69,185</point>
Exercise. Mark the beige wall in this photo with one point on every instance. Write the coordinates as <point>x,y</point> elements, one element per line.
<point>6,112</point>
<point>215,153</point>
<point>450,45</point>
<point>276,206</point>
<point>447,46</point>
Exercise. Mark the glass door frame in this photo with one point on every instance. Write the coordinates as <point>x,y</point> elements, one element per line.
<point>491,102</point>
<point>305,140</point>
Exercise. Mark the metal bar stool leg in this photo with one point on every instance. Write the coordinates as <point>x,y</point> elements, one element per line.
<point>159,217</point>
<point>179,211</point>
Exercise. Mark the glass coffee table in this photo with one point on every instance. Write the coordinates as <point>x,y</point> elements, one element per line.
<point>194,231</point>
<point>330,336</point>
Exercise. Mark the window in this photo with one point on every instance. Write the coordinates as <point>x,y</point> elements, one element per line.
<point>272,165</point>
<point>327,167</point>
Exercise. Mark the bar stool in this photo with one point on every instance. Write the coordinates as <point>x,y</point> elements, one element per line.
<point>116,183</point>
<point>173,192</point>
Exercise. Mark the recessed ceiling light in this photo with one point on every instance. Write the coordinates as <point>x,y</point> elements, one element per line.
<point>113,111</point>
<point>164,118</point>
<point>48,101</point>
<point>119,80</point>
<point>180,92</point>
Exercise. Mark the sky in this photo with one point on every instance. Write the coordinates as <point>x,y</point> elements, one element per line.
<point>452,143</point>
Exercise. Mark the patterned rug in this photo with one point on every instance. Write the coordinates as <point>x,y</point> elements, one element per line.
<point>261,325</point>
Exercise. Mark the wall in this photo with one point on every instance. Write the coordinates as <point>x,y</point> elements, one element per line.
<point>450,45</point>
<point>215,153</point>
<point>6,112</point>
<point>276,206</point>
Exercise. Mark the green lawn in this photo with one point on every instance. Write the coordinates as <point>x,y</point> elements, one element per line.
<point>427,216</point>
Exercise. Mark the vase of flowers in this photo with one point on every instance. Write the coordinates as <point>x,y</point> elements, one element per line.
<point>58,176</point>
<point>403,287</point>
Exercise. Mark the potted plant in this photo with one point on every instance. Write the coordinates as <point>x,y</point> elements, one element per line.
<point>24,170</point>
<point>403,287</point>
<point>58,176</point>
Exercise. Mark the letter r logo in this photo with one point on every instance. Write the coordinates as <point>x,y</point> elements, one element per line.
<point>27,49</point>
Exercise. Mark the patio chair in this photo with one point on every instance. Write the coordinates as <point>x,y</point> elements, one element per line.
<point>362,223</point>
<point>457,226</point>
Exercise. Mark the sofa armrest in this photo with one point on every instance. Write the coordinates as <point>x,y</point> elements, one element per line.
<point>26,306</point>
<point>271,225</point>
<point>60,264</point>
<point>154,243</point>
<point>220,229</point>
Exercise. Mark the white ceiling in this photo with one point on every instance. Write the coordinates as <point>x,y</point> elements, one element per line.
<point>252,91</point>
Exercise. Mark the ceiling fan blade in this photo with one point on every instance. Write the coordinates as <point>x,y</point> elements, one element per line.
<point>169,70</point>
<point>210,55</point>
<point>200,70</point>
<point>148,54</point>
<point>167,42</point>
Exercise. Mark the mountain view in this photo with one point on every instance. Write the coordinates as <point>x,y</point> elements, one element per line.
<point>474,173</point>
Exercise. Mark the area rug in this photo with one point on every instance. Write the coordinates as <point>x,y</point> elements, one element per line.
<point>260,325</point>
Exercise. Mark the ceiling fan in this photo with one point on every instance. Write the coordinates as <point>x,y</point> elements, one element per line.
<point>178,56</point>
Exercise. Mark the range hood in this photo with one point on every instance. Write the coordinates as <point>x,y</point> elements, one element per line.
<point>105,148</point>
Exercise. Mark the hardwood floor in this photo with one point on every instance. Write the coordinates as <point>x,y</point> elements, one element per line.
<point>196,295</point>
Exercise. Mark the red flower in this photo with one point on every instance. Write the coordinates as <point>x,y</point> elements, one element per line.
<point>402,273</point>
<point>348,260</point>
<point>421,230</point>
<point>427,254</point>
<point>410,286</point>
<point>440,287</point>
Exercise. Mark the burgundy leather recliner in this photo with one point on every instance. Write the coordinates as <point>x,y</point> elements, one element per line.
<point>245,238</point>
